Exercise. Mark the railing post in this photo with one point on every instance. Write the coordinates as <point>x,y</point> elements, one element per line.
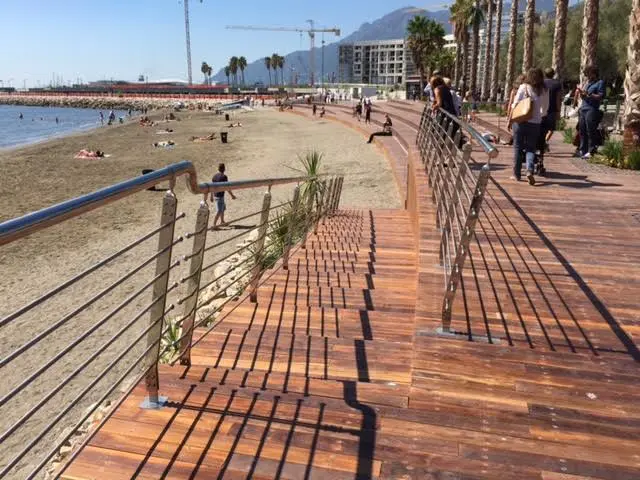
<point>193,282</point>
<point>320,206</point>
<point>463,247</point>
<point>262,233</point>
<point>327,202</point>
<point>156,314</point>
<point>336,204</point>
<point>308,220</point>
<point>466,155</point>
<point>293,220</point>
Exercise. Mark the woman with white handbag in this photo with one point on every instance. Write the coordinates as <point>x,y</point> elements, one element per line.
<point>530,104</point>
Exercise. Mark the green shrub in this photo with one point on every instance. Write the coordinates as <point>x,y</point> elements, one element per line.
<point>633,160</point>
<point>568,135</point>
<point>613,152</point>
<point>562,124</point>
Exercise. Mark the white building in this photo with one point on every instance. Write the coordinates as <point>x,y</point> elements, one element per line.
<point>381,62</point>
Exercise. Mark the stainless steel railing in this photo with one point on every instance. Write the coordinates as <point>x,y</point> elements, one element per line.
<point>139,305</point>
<point>457,189</point>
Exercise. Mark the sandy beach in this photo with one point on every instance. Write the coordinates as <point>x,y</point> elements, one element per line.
<point>267,145</point>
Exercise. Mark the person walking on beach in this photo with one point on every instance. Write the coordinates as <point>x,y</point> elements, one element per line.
<point>218,197</point>
<point>101,118</point>
<point>315,109</point>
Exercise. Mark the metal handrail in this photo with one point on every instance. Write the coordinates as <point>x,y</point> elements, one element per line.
<point>457,192</point>
<point>22,226</point>
<point>248,271</point>
<point>487,147</point>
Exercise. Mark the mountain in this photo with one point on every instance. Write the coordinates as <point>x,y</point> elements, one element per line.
<point>391,26</point>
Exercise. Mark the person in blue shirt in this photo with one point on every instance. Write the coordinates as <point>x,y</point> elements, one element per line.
<point>590,115</point>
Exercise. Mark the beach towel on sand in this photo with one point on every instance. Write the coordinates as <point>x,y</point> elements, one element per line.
<point>91,157</point>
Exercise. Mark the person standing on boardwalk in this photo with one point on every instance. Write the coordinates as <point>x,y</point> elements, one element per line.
<point>367,113</point>
<point>218,197</point>
<point>590,115</point>
<point>550,120</point>
<point>527,133</point>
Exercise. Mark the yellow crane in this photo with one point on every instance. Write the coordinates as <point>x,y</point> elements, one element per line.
<point>312,38</point>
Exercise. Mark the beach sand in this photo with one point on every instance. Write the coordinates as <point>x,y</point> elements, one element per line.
<point>37,176</point>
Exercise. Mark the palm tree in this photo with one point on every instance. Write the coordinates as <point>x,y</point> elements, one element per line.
<point>487,49</point>
<point>281,66</point>
<point>632,81</point>
<point>495,70</point>
<point>242,64</point>
<point>529,22</point>
<point>233,66</point>
<point>511,54</point>
<point>204,68</point>
<point>267,63</point>
<point>274,65</point>
<point>419,41</point>
<point>589,36</point>
<point>476,17</point>
<point>460,21</point>
<point>560,37</point>
<point>227,72</point>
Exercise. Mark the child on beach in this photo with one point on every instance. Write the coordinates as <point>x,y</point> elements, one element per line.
<point>218,197</point>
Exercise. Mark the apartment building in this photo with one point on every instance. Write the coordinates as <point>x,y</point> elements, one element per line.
<point>379,62</point>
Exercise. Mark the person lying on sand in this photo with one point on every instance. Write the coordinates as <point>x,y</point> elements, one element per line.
<point>89,154</point>
<point>166,130</point>
<point>208,138</point>
<point>164,143</point>
<point>145,122</point>
<point>232,125</point>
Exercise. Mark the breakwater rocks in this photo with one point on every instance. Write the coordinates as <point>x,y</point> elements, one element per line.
<point>109,103</point>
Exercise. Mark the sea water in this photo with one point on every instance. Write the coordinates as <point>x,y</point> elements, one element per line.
<point>39,123</point>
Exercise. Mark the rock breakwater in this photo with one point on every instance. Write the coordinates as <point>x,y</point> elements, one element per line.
<point>108,103</point>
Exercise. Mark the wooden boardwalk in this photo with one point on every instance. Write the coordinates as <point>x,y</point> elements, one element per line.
<point>337,372</point>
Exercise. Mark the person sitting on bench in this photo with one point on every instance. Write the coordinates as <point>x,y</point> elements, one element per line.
<point>386,129</point>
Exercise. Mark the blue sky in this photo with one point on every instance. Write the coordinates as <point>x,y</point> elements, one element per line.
<point>121,39</point>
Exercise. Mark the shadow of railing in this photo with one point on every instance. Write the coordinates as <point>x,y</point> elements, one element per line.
<point>524,291</point>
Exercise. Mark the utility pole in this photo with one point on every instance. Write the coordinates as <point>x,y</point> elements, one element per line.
<point>322,64</point>
<point>188,38</point>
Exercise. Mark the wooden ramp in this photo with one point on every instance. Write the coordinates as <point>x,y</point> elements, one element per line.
<point>328,377</point>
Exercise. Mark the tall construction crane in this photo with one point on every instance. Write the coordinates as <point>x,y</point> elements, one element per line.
<point>312,38</point>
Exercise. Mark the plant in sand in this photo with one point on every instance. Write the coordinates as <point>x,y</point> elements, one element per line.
<point>170,342</point>
<point>312,189</point>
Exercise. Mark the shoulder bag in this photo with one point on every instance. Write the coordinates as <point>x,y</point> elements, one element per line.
<point>523,111</point>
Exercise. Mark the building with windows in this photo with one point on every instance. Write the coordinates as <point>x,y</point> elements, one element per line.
<point>380,62</point>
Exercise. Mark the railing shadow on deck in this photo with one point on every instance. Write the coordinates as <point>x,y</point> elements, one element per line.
<point>517,292</point>
<point>508,276</point>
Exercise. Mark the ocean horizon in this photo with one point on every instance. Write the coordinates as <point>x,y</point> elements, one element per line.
<point>39,123</point>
